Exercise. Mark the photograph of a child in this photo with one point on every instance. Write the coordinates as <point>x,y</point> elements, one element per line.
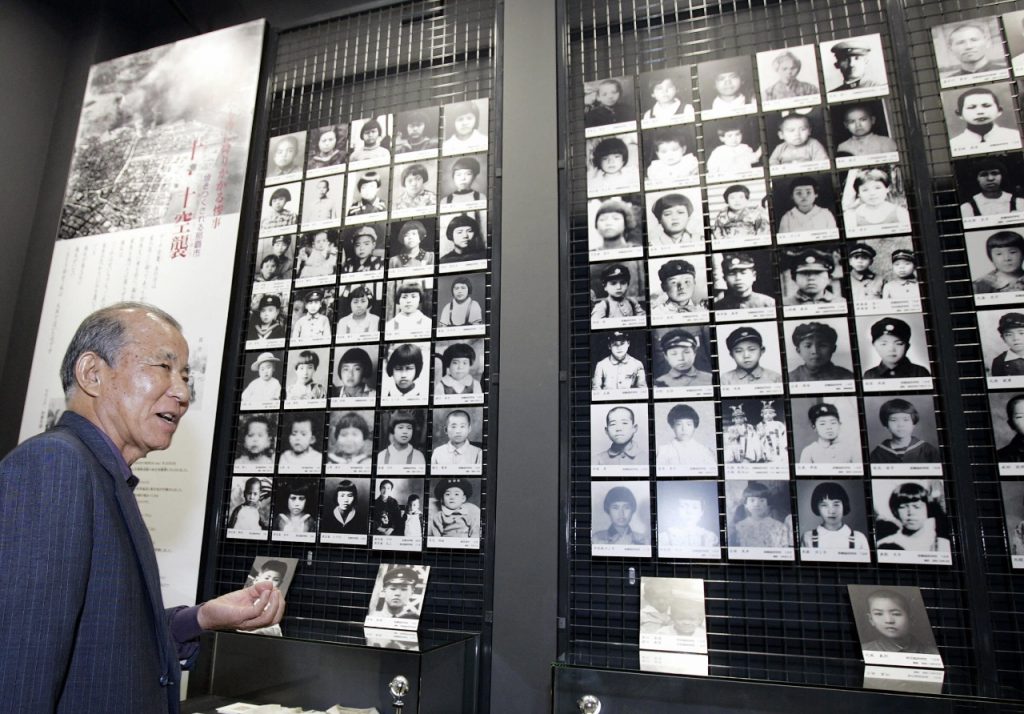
<point>688,524</point>
<point>739,215</point>
<point>996,258</point>
<point>893,627</point>
<point>345,510</point>
<point>805,209</point>
<point>302,438</point>
<point>832,520</point>
<point>991,190</point>
<point>273,262</point>
<point>812,281</point>
<point>412,249</point>
<point>263,388</point>
<point>370,142</point>
<point>397,515</point>
<point>619,440</point>
<point>349,441</point>
<point>360,306</point>
<point>751,363</point>
<point>311,325</point>
<point>459,300</point>
<point>255,443</point>
<point>742,285</point>
<point>969,52</point>
<point>463,183</point>
<point>1013,510</point>
<point>296,506</point>
<point>285,154</point>
<point>1002,345</point>
<point>618,360</point>
<point>354,382</point>
<point>416,134</point>
<point>613,164</point>
<point>1013,23</point>
<point>980,119</point>
<point>328,150</point>
<point>322,202</point>
<point>675,222</point>
<point>732,149</point>
<point>902,435</point>
<point>455,443</point>
<point>726,87</point>
<point>273,569</point>
<point>680,293</point>
<point>406,374</point>
<point>616,227</point>
<point>760,520</point>
<point>853,68</point>
<point>398,596</point>
<point>608,105</point>
<point>248,512</point>
<point>754,438</point>
<point>894,353</point>
<point>364,253</point>
<point>911,525</point>
<point>367,196</point>
<point>669,98</point>
<point>414,192</point>
<point>453,518</point>
<point>883,276</point>
<point>463,239</point>
<point>1007,412</point>
<point>861,134</point>
<point>826,436</point>
<point>620,518</point>
<point>308,372</point>
<point>789,78</point>
<point>465,127</point>
<point>874,202</point>
<point>459,376</point>
<point>618,295</point>
<point>796,139</point>
<point>316,258</point>
<point>670,157</point>
<point>672,615</point>
<point>682,362</point>
<point>409,309</point>
<point>819,356</point>
<point>280,209</point>
<point>684,433</point>
<point>402,442</point>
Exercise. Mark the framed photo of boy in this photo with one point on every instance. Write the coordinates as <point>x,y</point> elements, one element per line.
<point>300,449</point>
<point>679,289</point>
<point>262,386</point>
<point>1013,24</point>
<point>414,190</point>
<point>370,142</point>
<point>739,215</point>
<point>619,293</point>
<point>363,255</point>
<point>750,364</point>
<point>1013,510</point>
<point>682,362</point>
<point>874,201</point>
<point>613,164</point>
<point>327,150</point>
<point>360,307</point>
<point>742,285</point>
<point>457,435</point>
<point>345,511</point>
<point>1002,346</point>
<point>618,360</point>
<point>726,87</point>
<point>285,154</point>
<point>911,525</point>
<point>861,134</point>
<point>620,519</point>
<point>832,521</point>
<point>853,68</point>
<point>463,242</point>
<point>893,353</point>
<point>826,436</point>
<point>759,518</point>
<point>416,132</point>
<point>280,209</point>
<point>402,443</point>
<point>811,279</point>
<point>675,222</point>
<point>789,78</point>
<point>454,515</point>
<point>1007,412</point>
<point>616,227</point>
<point>279,571</point>
<point>405,379</point>
<point>733,149</point>
<point>609,106</point>
<point>819,356</point>
<point>465,127</point>
<point>893,626</point>
<point>672,615</point>
<point>459,373</point>
<point>796,138</point>
<point>688,525</point>
<point>349,441</point>
<point>969,52</point>
<point>805,209</point>
<point>902,435</point>
<point>991,190</point>
<point>398,596</point>
<point>995,257</point>
<point>322,202</point>
<point>684,433</point>
<point>310,322</point>
<point>883,276</point>
<point>619,440</point>
<point>981,119</point>
<point>255,444</point>
<point>308,373</point>
<point>670,157</point>
<point>248,511</point>
<point>367,196</point>
<point>410,308</point>
<point>669,96</point>
<point>754,443</point>
<point>354,376</point>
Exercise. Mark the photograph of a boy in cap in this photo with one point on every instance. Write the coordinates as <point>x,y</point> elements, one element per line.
<point>452,515</point>
<point>969,52</point>
<point>682,297</point>
<point>812,288</point>
<point>620,517</point>
<point>677,373</point>
<point>903,284</point>
<point>619,372</point>
<point>364,256</point>
<point>815,345</point>
<point>277,216</point>
<point>746,348</point>
<point>313,327</point>
<point>890,340</point>
<point>264,391</point>
<point>619,439</point>
<point>1004,254</point>
<point>1007,367</point>
<point>832,444</point>
<point>860,132</point>
<point>683,447</point>
<point>980,120</point>
<point>742,221</point>
<point>266,327</point>
<point>740,271</point>
<point>618,307</point>
<point>398,595</point>
<point>674,222</point>
<point>853,68</point>
<point>805,206</point>
<point>865,284</point>
<point>614,227</point>
<point>989,190</point>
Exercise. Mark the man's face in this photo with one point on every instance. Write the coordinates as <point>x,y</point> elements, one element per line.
<point>812,282</point>
<point>301,437</point>
<point>728,84</point>
<point>990,180</point>
<point>804,198</point>
<point>737,200</point>
<point>888,617</point>
<point>404,376</point>
<point>969,44</point>
<point>741,281</point>
<point>461,236</point>
<point>620,426</point>
<point>890,349</point>
<point>858,122</point>
<point>269,576</point>
<point>453,497</point>
<point>616,289</point>
<point>679,288</point>
<point>980,108</point>
<point>680,357</point>
<point>831,512</point>
<point>664,91</point>
<point>853,66</point>
<point>457,429</point>
<point>827,427</point>
<point>364,246</point>
<point>901,425</point>
<point>683,429</point>
<point>913,515</point>
<point>747,354</point>
<point>902,268</point>
<point>673,219</point>
<point>396,594</point>
<point>462,179</point>
<point>403,435</point>
<point>816,352</point>
<point>1014,339</point>
<point>621,513</point>
<point>619,349</point>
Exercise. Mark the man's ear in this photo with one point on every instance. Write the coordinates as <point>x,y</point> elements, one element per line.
<point>90,370</point>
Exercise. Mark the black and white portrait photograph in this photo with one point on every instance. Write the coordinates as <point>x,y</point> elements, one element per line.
<point>726,87</point>
<point>832,521</point>
<point>465,127</point>
<point>995,257</point>
<point>874,201</point>
<point>360,308</point>
<point>666,96</point>
<point>911,524</point>
<point>733,149</point>
<point>688,525</point>
<point>751,363</point>
<point>742,285</point>
<point>670,157</point>
<point>811,278</point>
<point>739,215</point>
<point>789,78</point>
<point>262,381</point>
<point>367,196</point>
<point>883,276</point>
<point>893,353</point>
<point>273,569</point>
<point>609,105</point>
<point>1007,412</point>
<point>861,134</point>
<point>285,154</point>
<point>675,221</point>
<point>416,132</point>
<point>409,309</point>
<point>354,376</point>
<point>1013,24</point>
<point>398,514</point>
<point>1002,346</point>
<point>402,439</point>
<point>311,318</point>
<point>684,435</point>
<point>1013,511</point>
<point>462,242</point>
<point>981,119</point>
<point>308,375</point>
<point>672,615</point>
<point>405,377</point>
<point>463,183</point>
<point>853,68</point>
<point>613,164</point>
<point>370,142</point>
<point>805,209</point>
<point>618,294</point>
<point>274,263</point>
<point>902,435</point>
<point>323,199</point>
<point>619,440</point>
<point>327,151</point>
<point>969,51</point>
<point>414,192</point>
<point>296,509</point>
<point>618,360</point>
<point>457,441</point>
<point>300,448</point>
<point>796,140</point>
<point>826,436</point>
<point>349,441</point>
<point>760,520</point>
<point>412,249</point>
<point>615,225</point>
<point>345,510</point>
<point>363,253</point>
<point>248,513</point>
<point>754,443</point>
<point>620,519</point>
<point>459,374</point>
<point>453,516</point>
<point>460,301</point>
<point>255,443</point>
<point>893,627</point>
<point>819,355</point>
<point>398,597</point>
<point>316,257</point>
<point>280,209</point>
<point>990,190</point>
<point>681,363</point>
<point>679,289</point>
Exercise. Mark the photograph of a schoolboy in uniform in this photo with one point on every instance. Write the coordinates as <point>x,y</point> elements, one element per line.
<point>796,141</point>
<point>280,209</point>
<point>459,374</point>
<point>754,438</point>
<point>616,227</point>
<point>682,362</point>
<point>760,520</point>
<point>893,627</point>
<point>669,97</point>
<point>812,281</point>
<point>370,142</point>
<point>991,190</point>
<point>614,164</point>
<point>684,433</point>
<point>675,222</point>
<point>853,68</point>
<point>311,325</point>
<point>618,295</point>
<point>743,285</point>
<point>672,615</point>
<point>819,355</point>
<point>911,525</point>
<point>620,518</point>
<point>285,154</point>
<point>902,435</point>
<point>322,200</point>
<point>328,150</point>
<point>996,258</point>
<point>739,215</point>
<point>981,119</point>
<point>680,293</point>
<point>832,521</point>
<point>670,157</point>
<point>894,353</point>
<point>618,360</point>
<point>416,134</point>
<point>726,87</point>
<point>277,570</point>
<point>465,127</point>
<point>751,363</point>
<point>263,388</point>
<point>1002,345</point>
<point>826,436</point>
<point>733,149</point>
<point>788,78</point>
<point>805,209</point>
<point>877,262</point>
<point>1007,413</point>
<point>861,134</point>
<point>619,440</point>
<point>608,105</point>
<point>455,444</point>
<point>969,52</point>
<point>1013,510</point>
<point>688,524</point>
<point>398,596</point>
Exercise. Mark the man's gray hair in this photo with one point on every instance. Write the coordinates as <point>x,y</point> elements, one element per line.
<point>104,333</point>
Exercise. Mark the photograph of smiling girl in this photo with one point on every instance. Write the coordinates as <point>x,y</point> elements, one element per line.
<point>893,353</point>
<point>1006,410</point>
<point>675,222</point>
<point>618,365</point>
<point>307,374</point>
<point>789,78</point>
<point>670,157</point>
<point>402,442</point>
<point>980,119</point>
<point>328,150</point>
<point>349,441</point>
<point>360,309</point>
<point>619,439</point>
<point>456,441</point>
<point>463,242</point>
<point>614,164</point>
<point>911,525</point>
<point>826,436</point>
<point>463,183</point>
<point>874,201</point>
<point>760,520</point>
<point>861,135</point>
<point>370,142</point>
<point>255,444</point>
<point>990,190</point>
<point>454,514</point>
<point>414,192</point>
<point>354,377</point>
<point>682,362</point>
<point>300,449</point>
<point>405,377</point>
<point>902,435</point>
<point>412,249</point>
<point>832,521</point>
<point>465,127</point>
<point>277,570</point>
<point>969,52</point>
<point>726,87</point>
<point>410,308</point>
<point>367,196</point>
<point>819,356</point>
<point>684,433</point>
<point>608,106</point>
<point>679,289</point>
<point>893,627</point>
<point>996,258</point>
<point>620,519</point>
<point>669,96</point>
<point>459,372</point>
<point>460,305</point>
<point>345,510</point>
<point>285,154</point>
<point>688,525</point>
<point>616,227</point>
<point>248,512</point>
<point>796,141</point>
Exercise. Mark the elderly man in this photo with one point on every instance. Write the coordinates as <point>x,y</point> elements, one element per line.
<point>84,625</point>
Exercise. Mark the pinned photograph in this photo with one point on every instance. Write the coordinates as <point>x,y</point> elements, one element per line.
<point>255,444</point>
<point>760,520</point>
<point>883,276</point>
<point>672,615</point>
<point>995,258</point>
<point>413,249</point>
<point>1013,510</point>
<point>812,281</point>
<point>263,388</point>
<point>796,138</point>
<point>316,258</point>
<point>688,520</point>
<point>310,323</point>
<point>416,134</point>
<point>363,253</point>
<point>414,190</point>
<point>406,376</point>
<point>789,78</point>
<point>805,209</point>
<point>456,441</point>
<point>894,353</point>
<point>296,505</point>
<point>322,203</point>
<point>675,222</point>
<point>302,438</point>
<point>285,154</point>
<point>398,597</point>
<point>616,227</point>
<point>754,439</point>
<point>833,521</point>
<point>911,525</point>
<point>726,87</point>
<point>670,157</point>
<point>1007,412</point>
<point>854,68</point>
<point>248,514</point>
<point>732,149</point>
<point>1013,24</point>
<point>280,209</point>
<point>684,447</point>
<point>465,127</point>
<point>1002,344</point>
<point>969,52</point>
<point>614,163</point>
<point>826,436</point>
<point>861,134</point>
<point>619,293</point>
<point>345,512</point>
<point>619,440</point>
<point>367,196</point>
<point>308,372</point>
<point>682,362</point>
<point>608,106</point>
<point>680,293</point>
<point>410,306</point>
<point>902,435</point>
<point>618,358</point>
<point>991,190</point>
<point>454,514</point>
<point>875,202</point>
<point>463,242</point>
<point>459,378</point>
<point>355,376</point>
<point>819,356</point>
<point>370,142</point>
<point>397,514</point>
<point>742,281</point>
<point>402,442</point>
<point>980,119</point>
<point>459,301</point>
<point>278,571</point>
<point>463,183</point>
<point>893,626</point>
<point>273,263</point>
<point>669,96</point>
<point>751,364</point>
<point>360,306</point>
<point>739,215</point>
<point>620,519</point>
<point>349,442</point>
<point>328,150</point>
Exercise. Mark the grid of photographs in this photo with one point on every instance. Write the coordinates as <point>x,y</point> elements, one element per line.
<point>362,421</point>
<point>755,307</point>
